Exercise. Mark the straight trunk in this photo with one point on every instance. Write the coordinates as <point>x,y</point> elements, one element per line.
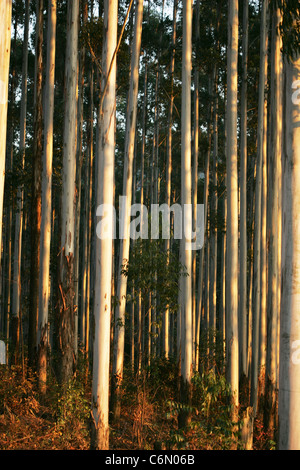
<point>119,338</point>
<point>5,43</point>
<point>16,297</point>
<point>186,201</point>
<point>232,207</point>
<point>45,242</point>
<point>166,315</point>
<point>65,312</point>
<point>104,245</point>
<point>243,199</point>
<point>275,150</point>
<point>36,189</point>
<point>289,378</point>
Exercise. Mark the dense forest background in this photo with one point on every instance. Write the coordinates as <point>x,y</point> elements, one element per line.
<point>194,340</point>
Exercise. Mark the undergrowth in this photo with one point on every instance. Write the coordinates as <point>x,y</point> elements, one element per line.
<point>150,407</point>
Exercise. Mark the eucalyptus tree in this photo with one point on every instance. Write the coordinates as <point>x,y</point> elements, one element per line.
<point>5,42</point>
<point>289,377</point>
<point>104,244</point>
<point>65,308</point>
<point>46,209</point>
<point>119,336</point>
<point>36,188</point>
<point>232,206</point>
<point>258,235</point>
<point>16,297</point>
<point>186,201</point>
<point>274,209</point>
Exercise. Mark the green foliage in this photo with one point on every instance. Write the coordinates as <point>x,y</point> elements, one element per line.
<point>153,270</point>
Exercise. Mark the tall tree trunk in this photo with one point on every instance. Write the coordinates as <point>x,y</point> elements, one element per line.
<point>232,207</point>
<point>79,159</point>
<point>45,242</point>
<point>36,188</point>
<point>275,151</point>
<point>166,315</point>
<point>257,281</point>
<point>119,337</point>
<point>289,378</point>
<point>186,199</point>
<point>104,245</point>
<point>5,43</point>
<point>65,311</point>
<point>16,298</point>
<point>243,199</point>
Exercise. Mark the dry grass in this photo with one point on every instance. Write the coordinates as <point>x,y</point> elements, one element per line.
<point>148,417</point>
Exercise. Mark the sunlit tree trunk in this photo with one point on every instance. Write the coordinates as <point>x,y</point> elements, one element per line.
<point>44,284</point>
<point>289,378</point>
<point>186,199</point>
<point>5,41</point>
<point>273,213</point>
<point>119,337</point>
<point>104,245</point>
<point>36,188</point>
<point>65,312</point>
<point>232,207</point>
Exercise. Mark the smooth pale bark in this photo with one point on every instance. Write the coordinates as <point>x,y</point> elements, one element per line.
<point>119,337</point>
<point>5,42</point>
<point>45,241</point>
<point>257,281</point>
<point>36,188</point>
<point>289,378</point>
<point>273,213</point>
<point>66,319</point>
<point>186,199</point>
<point>104,245</point>
<point>243,197</point>
<point>16,292</point>
<point>232,207</point>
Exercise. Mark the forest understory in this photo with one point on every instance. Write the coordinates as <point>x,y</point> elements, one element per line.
<point>149,412</point>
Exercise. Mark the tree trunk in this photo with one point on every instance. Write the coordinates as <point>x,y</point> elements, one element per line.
<point>243,198</point>
<point>289,378</point>
<point>65,311</point>
<point>104,245</point>
<point>186,201</point>
<point>275,151</point>
<point>119,338</point>
<point>16,298</point>
<point>232,207</point>
<point>5,42</point>
<point>257,281</point>
<point>166,314</point>
<point>45,242</point>
<point>36,189</point>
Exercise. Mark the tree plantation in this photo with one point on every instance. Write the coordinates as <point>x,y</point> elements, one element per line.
<point>150,214</point>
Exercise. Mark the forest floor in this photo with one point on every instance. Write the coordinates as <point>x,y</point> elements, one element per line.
<point>60,421</point>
